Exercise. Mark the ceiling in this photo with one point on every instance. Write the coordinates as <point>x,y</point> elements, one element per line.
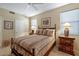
<point>30,9</point>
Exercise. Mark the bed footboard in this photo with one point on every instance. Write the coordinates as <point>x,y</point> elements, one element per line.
<point>18,54</point>
<point>33,50</point>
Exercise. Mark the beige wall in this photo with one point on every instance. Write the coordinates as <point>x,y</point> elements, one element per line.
<point>8,34</point>
<point>1,29</point>
<point>55,19</point>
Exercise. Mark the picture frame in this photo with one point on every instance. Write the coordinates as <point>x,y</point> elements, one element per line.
<point>8,25</point>
<point>46,22</point>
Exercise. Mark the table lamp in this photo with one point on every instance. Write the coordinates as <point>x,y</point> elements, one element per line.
<point>66,29</point>
<point>34,29</point>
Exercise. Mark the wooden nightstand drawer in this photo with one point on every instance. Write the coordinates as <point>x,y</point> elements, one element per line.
<point>66,45</point>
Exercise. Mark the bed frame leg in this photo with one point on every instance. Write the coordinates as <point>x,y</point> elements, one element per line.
<point>33,50</point>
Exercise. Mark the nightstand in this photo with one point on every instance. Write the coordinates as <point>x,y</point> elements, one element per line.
<point>66,44</point>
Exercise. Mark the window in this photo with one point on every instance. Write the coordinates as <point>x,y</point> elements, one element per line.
<point>71,17</point>
<point>33,24</point>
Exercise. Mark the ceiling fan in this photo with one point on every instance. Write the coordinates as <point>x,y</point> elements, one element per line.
<point>33,5</point>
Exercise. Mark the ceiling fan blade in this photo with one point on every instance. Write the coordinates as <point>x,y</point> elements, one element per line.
<point>34,7</point>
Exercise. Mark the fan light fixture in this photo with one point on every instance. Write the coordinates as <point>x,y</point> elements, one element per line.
<point>29,5</point>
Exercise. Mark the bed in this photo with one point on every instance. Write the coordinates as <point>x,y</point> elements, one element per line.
<point>34,45</point>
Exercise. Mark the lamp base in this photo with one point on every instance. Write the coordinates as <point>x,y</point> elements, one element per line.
<point>66,32</point>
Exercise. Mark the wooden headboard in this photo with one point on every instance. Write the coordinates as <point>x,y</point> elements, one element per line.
<point>54,27</point>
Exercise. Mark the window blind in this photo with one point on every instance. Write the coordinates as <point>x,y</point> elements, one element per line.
<point>71,17</point>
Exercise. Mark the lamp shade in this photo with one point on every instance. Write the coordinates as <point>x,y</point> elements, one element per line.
<point>67,25</point>
<point>33,27</point>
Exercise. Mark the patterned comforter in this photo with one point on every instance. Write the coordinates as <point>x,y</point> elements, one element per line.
<point>39,42</point>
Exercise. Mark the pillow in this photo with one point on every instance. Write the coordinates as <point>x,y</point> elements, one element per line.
<point>44,32</point>
<point>49,32</point>
<point>37,31</point>
<point>40,31</point>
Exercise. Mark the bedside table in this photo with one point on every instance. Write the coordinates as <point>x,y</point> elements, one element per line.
<point>66,44</point>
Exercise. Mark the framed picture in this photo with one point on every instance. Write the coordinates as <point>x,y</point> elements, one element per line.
<point>46,22</point>
<point>8,25</point>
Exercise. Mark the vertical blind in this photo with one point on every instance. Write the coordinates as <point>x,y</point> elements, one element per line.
<point>71,17</point>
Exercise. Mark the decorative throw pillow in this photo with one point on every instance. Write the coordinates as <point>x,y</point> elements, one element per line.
<point>37,31</point>
<point>44,32</point>
<point>40,31</point>
<point>49,32</point>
